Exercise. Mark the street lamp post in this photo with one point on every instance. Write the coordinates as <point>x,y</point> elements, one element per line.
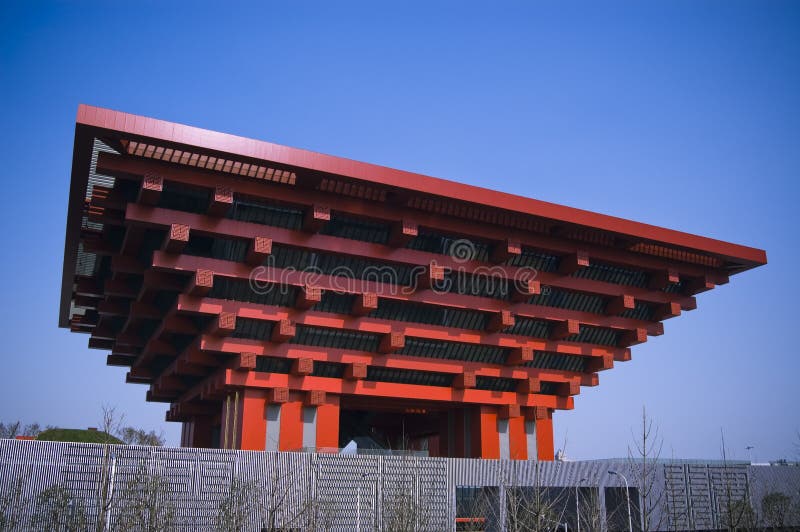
<point>627,496</point>
<point>577,507</point>
<point>358,501</point>
<point>750,452</point>
<point>358,509</point>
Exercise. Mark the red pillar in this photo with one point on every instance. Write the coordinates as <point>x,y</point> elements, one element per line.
<point>328,423</point>
<point>197,432</point>
<point>291,435</point>
<point>445,445</point>
<point>544,436</point>
<point>517,439</point>
<point>459,447</point>
<point>252,426</point>
<point>186,429</point>
<point>227,421</point>
<point>485,438</point>
<point>243,422</point>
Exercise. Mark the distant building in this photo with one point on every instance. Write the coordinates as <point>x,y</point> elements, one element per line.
<point>281,299</point>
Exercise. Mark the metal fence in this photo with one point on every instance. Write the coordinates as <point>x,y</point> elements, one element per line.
<point>338,492</point>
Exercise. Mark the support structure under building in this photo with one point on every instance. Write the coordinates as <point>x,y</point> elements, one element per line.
<point>281,299</point>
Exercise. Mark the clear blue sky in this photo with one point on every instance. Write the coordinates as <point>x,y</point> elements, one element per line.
<point>683,114</point>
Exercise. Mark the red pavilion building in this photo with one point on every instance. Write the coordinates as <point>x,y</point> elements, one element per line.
<point>279,299</point>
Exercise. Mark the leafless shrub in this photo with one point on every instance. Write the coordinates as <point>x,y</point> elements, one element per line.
<point>134,436</point>
<point>12,430</point>
<point>12,503</point>
<point>589,512</point>
<point>529,504</point>
<point>532,506</point>
<point>737,513</point>
<point>110,423</point>
<point>235,508</point>
<point>57,509</point>
<point>145,504</point>
<point>776,509</point>
<point>405,506</point>
<point>643,458</point>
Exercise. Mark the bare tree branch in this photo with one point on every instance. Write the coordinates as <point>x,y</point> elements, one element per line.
<point>643,459</point>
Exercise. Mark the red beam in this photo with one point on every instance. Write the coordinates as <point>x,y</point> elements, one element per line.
<point>393,330</point>
<point>391,390</point>
<point>191,264</point>
<point>232,346</point>
<point>405,180</point>
<point>435,263</point>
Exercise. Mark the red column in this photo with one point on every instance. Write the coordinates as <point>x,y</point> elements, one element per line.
<point>252,425</point>
<point>328,423</point>
<point>485,438</point>
<point>197,432</point>
<point>517,439</point>
<point>243,422</point>
<point>291,435</point>
<point>227,422</point>
<point>459,444</point>
<point>544,436</point>
<point>445,447</point>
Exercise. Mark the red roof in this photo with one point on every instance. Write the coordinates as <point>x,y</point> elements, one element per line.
<point>374,174</point>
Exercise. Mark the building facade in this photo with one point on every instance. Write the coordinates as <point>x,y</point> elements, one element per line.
<point>279,299</point>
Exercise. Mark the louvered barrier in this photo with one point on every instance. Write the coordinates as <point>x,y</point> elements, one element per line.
<point>309,491</point>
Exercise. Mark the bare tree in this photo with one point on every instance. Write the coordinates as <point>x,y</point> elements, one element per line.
<point>529,504</point>
<point>676,513</point>
<point>643,458</point>
<point>110,423</point>
<point>286,505</point>
<point>236,508</point>
<point>533,507</point>
<point>776,509</point>
<point>590,512</point>
<point>12,503</point>
<point>404,511</point>
<point>250,501</point>
<point>737,513</point>
<point>406,504</point>
<point>10,430</point>
<point>57,509</point>
<point>145,504</point>
<point>134,436</point>
<point>32,430</point>
<point>474,514</point>
<point>319,514</point>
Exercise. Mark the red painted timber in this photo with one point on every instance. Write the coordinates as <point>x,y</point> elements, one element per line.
<point>328,423</point>
<point>233,346</point>
<point>544,437</point>
<point>421,184</point>
<point>486,438</point>
<point>391,390</point>
<point>291,431</point>
<point>190,264</point>
<point>517,439</point>
<point>211,306</point>
<point>158,217</point>
<point>253,426</point>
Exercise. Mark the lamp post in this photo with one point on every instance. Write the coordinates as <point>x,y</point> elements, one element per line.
<point>358,501</point>
<point>750,452</point>
<point>627,496</point>
<point>577,507</point>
